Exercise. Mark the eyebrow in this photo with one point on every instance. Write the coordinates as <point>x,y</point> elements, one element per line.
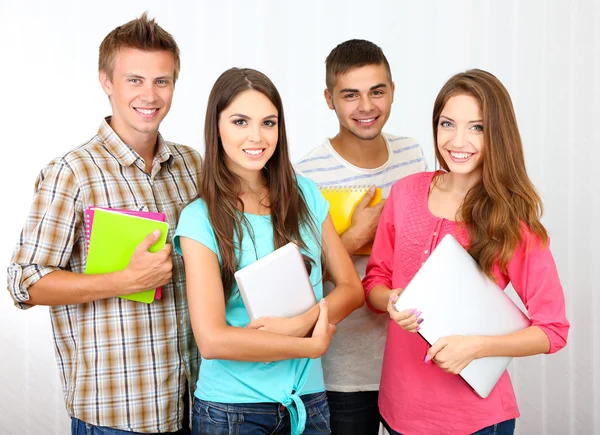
<point>452,120</point>
<point>241,115</point>
<point>137,76</point>
<point>380,85</point>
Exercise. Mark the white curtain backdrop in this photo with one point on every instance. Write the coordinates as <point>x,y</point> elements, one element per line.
<point>547,53</point>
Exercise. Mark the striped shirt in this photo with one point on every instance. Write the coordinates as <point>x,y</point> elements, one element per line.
<point>123,364</point>
<point>354,358</point>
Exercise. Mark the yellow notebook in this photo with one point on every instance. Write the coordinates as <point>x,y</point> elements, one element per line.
<point>342,202</point>
<point>114,237</point>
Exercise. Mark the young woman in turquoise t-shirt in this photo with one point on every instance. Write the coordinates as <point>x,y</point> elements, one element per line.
<point>251,203</point>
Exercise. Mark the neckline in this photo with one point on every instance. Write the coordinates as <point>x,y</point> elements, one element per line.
<point>350,166</point>
<point>427,191</point>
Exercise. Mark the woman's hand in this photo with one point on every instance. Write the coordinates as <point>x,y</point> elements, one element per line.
<point>297,326</point>
<point>323,331</point>
<point>452,354</point>
<point>408,319</point>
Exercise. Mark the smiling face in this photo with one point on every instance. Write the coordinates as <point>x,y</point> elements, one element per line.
<point>249,133</point>
<point>460,138</point>
<point>140,92</point>
<point>362,99</point>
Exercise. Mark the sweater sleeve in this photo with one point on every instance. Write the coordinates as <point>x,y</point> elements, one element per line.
<point>534,277</point>
<point>380,265</point>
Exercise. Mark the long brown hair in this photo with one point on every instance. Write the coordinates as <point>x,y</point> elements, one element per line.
<point>495,209</point>
<point>220,188</point>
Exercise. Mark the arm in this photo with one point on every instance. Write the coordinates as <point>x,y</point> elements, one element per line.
<point>346,297</point>
<point>216,339</point>
<point>146,270</point>
<point>37,275</point>
<point>533,274</point>
<point>378,279</point>
<point>348,294</point>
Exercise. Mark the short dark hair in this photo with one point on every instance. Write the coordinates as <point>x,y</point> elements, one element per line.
<point>353,54</point>
<point>141,33</point>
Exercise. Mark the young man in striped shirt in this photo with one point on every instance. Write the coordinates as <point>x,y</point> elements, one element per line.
<point>360,91</point>
<point>125,366</point>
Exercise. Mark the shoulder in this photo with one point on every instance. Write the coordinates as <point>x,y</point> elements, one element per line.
<point>412,183</point>
<point>530,240</point>
<point>66,167</point>
<point>307,186</point>
<point>315,201</point>
<point>194,210</point>
<point>184,152</point>
<point>79,155</point>
<point>314,158</point>
<point>404,148</point>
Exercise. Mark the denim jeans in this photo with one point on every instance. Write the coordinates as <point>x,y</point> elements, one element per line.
<point>211,418</point>
<point>354,413</point>
<point>505,428</point>
<point>79,427</point>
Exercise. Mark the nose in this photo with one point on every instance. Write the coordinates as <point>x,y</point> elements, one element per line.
<point>254,134</point>
<point>365,104</point>
<point>460,139</point>
<point>148,93</point>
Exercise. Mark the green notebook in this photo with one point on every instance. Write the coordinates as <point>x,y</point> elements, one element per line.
<point>114,237</point>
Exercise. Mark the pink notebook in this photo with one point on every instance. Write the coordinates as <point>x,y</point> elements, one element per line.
<point>89,219</point>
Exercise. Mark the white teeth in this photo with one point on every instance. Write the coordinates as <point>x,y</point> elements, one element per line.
<point>366,121</point>
<point>253,152</point>
<point>146,111</point>
<point>460,155</point>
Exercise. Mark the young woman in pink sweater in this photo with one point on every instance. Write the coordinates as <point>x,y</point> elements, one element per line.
<point>485,199</point>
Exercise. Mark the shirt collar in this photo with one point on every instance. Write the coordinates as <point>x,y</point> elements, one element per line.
<point>124,154</point>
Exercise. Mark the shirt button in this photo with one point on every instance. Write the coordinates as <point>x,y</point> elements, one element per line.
<point>435,233</point>
<point>426,251</point>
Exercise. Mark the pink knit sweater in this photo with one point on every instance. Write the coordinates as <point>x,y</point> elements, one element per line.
<point>419,398</point>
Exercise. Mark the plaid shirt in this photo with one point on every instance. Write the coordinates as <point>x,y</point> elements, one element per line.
<point>123,364</point>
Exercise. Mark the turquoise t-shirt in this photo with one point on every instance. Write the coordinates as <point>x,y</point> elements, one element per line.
<point>226,381</point>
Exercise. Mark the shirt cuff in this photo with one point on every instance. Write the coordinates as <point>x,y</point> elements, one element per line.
<point>556,341</point>
<point>20,278</point>
<point>367,291</point>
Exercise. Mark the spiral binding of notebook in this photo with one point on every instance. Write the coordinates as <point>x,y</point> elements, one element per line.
<point>342,203</point>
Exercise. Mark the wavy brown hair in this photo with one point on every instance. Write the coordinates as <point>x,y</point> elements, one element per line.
<point>504,199</point>
<point>220,188</point>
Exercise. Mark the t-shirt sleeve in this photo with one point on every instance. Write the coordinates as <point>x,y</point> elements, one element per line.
<point>315,201</point>
<point>194,224</point>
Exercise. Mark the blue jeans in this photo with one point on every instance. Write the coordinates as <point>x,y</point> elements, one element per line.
<point>505,428</point>
<point>354,413</point>
<point>79,427</point>
<point>211,418</point>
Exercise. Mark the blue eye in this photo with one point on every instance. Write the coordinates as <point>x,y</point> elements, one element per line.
<point>477,127</point>
<point>446,124</point>
<point>135,81</point>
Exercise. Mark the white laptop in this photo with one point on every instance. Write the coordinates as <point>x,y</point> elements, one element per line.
<point>277,284</point>
<point>457,298</point>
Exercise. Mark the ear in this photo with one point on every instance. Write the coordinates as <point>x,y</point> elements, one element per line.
<point>393,89</point>
<point>105,82</point>
<point>329,99</point>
